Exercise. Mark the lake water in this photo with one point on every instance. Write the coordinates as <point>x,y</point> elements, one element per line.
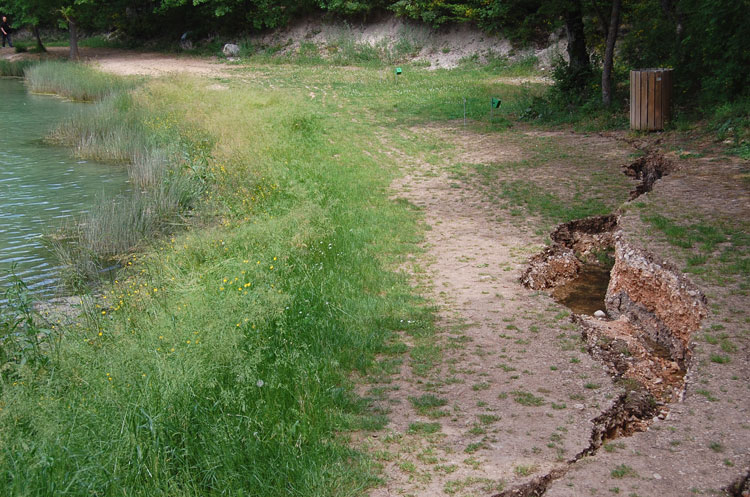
<point>40,185</point>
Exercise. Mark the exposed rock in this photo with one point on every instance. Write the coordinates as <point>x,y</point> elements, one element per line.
<point>551,268</point>
<point>623,418</point>
<point>231,50</point>
<point>584,236</point>
<point>741,487</point>
<point>624,350</point>
<point>600,314</point>
<point>574,242</point>
<point>656,298</point>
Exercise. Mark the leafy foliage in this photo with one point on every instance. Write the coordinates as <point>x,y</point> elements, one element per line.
<point>705,42</point>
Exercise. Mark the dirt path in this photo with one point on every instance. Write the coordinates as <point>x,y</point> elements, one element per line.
<point>507,394</point>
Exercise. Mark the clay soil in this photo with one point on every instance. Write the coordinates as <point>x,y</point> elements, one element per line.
<point>505,392</point>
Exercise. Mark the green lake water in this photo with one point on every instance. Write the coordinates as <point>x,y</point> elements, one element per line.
<point>41,186</point>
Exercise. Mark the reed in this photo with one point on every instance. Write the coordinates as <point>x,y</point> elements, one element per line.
<point>75,81</point>
<point>14,68</point>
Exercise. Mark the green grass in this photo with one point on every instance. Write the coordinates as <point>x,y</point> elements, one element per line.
<point>75,81</point>
<point>720,359</point>
<point>527,399</point>
<point>426,428</point>
<point>623,470</point>
<point>220,360</point>
<point>524,470</point>
<point>549,206</point>
<point>15,68</point>
<point>427,403</point>
<point>715,248</point>
<point>487,419</point>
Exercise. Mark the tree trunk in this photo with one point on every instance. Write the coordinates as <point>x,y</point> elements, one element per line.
<point>672,11</point>
<point>73,31</point>
<point>577,53</point>
<point>609,53</point>
<point>37,35</point>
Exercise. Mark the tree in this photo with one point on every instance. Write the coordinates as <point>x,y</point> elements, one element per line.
<point>69,14</point>
<point>609,52</point>
<point>578,54</point>
<point>36,14</point>
<point>87,14</point>
<point>258,14</point>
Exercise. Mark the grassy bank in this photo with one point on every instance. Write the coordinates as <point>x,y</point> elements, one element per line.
<point>14,69</point>
<point>75,81</point>
<point>166,163</point>
<point>219,362</point>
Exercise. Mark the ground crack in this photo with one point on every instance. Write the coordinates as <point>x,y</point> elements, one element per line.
<point>628,414</point>
<point>643,338</point>
<point>649,168</point>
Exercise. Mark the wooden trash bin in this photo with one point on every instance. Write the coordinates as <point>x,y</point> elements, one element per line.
<point>650,98</point>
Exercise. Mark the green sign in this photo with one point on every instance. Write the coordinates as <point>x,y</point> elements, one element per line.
<point>398,71</point>
<point>496,103</point>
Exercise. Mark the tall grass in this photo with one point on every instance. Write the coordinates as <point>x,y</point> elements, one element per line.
<point>108,131</point>
<point>14,68</point>
<point>75,81</point>
<point>164,162</point>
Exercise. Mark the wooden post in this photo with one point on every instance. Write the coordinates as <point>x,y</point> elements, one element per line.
<point>650,98</point>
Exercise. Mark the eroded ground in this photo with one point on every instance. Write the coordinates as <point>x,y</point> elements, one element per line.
<point>507,399</point>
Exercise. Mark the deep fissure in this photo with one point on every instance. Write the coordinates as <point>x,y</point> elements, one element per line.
<point>637,314</point>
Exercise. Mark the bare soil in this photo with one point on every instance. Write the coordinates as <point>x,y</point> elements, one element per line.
<point>528,411</point>
<point>520,392</point>
<point>442,48</point>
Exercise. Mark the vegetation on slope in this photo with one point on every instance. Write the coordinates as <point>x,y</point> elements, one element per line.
<point>219,362</point>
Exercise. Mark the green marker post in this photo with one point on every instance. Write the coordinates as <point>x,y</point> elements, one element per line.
<point>494,104</point>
